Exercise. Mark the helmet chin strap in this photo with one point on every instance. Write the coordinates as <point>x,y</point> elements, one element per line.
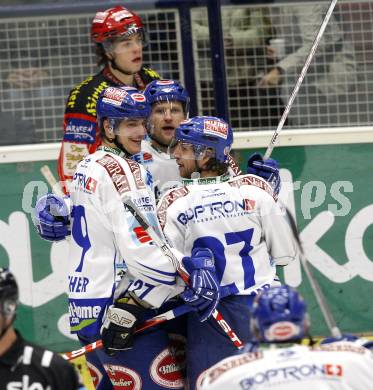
<point>118,144</point>
<point>121,147</point>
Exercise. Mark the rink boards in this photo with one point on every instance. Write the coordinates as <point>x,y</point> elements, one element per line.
<point>328,188</point>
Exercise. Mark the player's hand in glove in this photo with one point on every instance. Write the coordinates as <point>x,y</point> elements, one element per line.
<point>268,170</point>
<point>52,217</point>
<point>118,326</point>
<point>203,290</point>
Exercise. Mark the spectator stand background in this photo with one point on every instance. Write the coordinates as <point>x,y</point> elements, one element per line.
<point>43,56</point>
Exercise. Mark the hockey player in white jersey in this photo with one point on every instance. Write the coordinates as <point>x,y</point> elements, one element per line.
<point>237,219</point>
<point>169,102</point>
<point>108,246</point>
<point>279,318</point>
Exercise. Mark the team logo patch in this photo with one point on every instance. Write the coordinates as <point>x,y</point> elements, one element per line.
<point>73,154</point>
<point>227,365</point>
<point>123,377</point>
<point>214,127</point>
<point>147,157</point>
<point>165,82</point>
<point>136,172</point>
<point>177,347</point>
<point>138,97</point>
<point>116,173</point>
<point>283,330</point>
<point>86,183</point>
<point>253,181</point>
<point>95,374</point>
<point>142,235</point>
<point>333,369</point>
<point>80,130</point>
<point>167,200</point>
<point>165,371</point>
<point>100,17</point>
<point>118,16</point>
<point>114,96</point>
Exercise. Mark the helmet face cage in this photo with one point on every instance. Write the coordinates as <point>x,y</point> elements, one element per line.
<point>120,103</point>
<point>280,315</point>
<point>199,151</point>
<point>167,91</point>
<point>115,22</point>
<point>114,123</point>
<point>110,45</point>
<point>8,293</point>
<point>206,133</point>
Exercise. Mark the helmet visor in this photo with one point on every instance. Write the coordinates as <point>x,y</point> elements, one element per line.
<point>179,148</point>
<point>128,126</point>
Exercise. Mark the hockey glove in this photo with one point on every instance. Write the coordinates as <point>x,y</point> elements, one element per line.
<point>203,292</point>
<point>118,326</point>
<point>52,218</point>
<point>268,170</point>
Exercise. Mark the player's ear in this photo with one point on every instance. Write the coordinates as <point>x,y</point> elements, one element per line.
<point>109,133</point>
<point>205,157</point>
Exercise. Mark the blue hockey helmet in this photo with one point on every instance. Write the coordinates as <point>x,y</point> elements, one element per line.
<point>207,132</point>
<point>279,314</point>
<point>119,103</point>
<point>166,91</point>
<point>8,293</point>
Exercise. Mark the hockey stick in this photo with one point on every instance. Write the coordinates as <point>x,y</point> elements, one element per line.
<point>168,315</point>
<point>183,274</point>
<point>320,297</point>
<point>300,80</point>
<point>51,180</point>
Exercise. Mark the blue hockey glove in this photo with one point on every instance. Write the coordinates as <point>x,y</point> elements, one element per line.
<point>268,170</point>
<point>203,292</point>
<point>118,326</point>
<point>52,218</point>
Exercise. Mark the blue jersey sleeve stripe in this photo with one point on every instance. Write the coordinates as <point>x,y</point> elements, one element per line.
<point>171,283</point>
<point>171,274</point>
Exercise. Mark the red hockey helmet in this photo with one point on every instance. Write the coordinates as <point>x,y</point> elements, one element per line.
<point>115,22</point>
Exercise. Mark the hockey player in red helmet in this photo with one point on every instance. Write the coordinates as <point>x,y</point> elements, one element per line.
<point>119,31</point>
<point>120,37</point>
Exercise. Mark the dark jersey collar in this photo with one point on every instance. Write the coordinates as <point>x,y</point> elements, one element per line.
<point>139,83</point>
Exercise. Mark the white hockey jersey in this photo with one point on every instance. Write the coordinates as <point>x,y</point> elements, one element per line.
<point>107,242</point>
<point>239,221</point>
<point>337,366</point>
<point>161,166</point>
